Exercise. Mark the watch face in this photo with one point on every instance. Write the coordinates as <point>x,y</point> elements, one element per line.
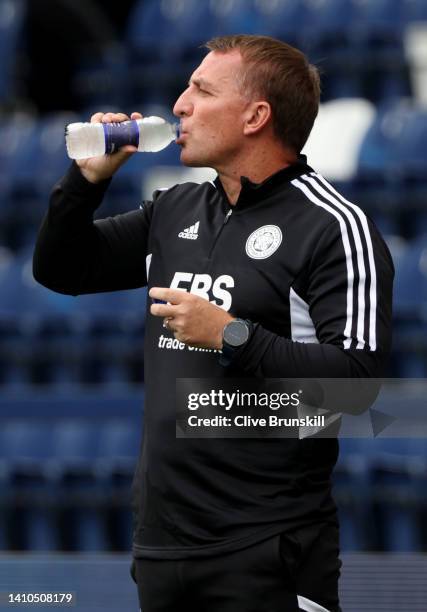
<point>236,333</point>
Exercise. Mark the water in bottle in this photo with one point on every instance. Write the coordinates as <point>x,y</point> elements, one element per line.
<point>150,134</point>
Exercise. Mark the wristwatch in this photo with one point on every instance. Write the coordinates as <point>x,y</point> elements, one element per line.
<point>235,335</point>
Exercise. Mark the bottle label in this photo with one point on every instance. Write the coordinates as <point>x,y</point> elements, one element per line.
<point>118,135</point>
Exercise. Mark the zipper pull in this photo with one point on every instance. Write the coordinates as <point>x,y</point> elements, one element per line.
<point>227,216</point>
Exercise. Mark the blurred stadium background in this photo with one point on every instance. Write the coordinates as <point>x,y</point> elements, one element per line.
<point>71,369</point>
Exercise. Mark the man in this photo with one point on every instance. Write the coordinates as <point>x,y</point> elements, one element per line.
<point>281,273</point>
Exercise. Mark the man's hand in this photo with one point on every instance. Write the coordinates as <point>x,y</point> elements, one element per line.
<point>191,318</point>
<point>96,169</point>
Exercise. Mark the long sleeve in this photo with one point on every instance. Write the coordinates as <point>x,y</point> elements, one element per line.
<point>347,293</point>
<point>75,254</point>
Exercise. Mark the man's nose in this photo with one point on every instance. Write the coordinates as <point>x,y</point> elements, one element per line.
<point>183,106</point>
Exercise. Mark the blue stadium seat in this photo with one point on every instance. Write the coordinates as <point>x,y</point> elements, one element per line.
<point>50,338</point>
<point>378,16</point>
<point>22,158</point>
<point>118,447</point>
<point>409,180</point>
<point>330,16</point>
<point>397,363</point>
<point>376,164</point>
<point>101,79</point>
<point>410,311</point>
<point>398,247</point>
<point>332,150</point>
<point>17,137</point>
<point>12,13</point>
<point>51,161</point>
<point>25,449</point>
<point>410,151</point>
<point>12,353</point>
<point>359,47</point>
<point>376,37</point>
<point>33,164</point>
<point>113,325</point>
<point>157,32</point>
<point>15,351</point>
<point>75,446</point>
<point>398,472</point>
<point>284,19</point>
<point>26,445</point>
<point>118,450</point>
<point>80,494</point>
<point>326,35</point>
<point>414,10</point>
<point>232,17</point>
<point>60,482</point>
<point>353,493</point>
<point>27,312</point>
<point>56,339</point>
<point>167,29</point>
<point>410,289</point>
<point>376,152</point>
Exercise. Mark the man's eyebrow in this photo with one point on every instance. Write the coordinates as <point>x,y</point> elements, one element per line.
<point>200,82</point>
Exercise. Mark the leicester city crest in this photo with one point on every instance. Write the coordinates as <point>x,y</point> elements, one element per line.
<point>263,242</point>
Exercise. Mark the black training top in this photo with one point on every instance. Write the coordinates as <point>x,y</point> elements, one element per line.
<point>294,257</point>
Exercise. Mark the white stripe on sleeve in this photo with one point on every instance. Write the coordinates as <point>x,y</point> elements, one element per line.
<point>372,268</point>
<point>348,257</point>
<point>360,329</point>
<point>309,606</point>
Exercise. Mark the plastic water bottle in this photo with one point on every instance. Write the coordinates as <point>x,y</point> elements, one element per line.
<point>150,134</point>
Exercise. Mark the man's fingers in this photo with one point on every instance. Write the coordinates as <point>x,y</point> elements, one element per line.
<point>114,118</point>
<point>96,118</point>
<point>109,118</point>
<point>136,116</point>
<point>162,310</point>
<point>173,296</point>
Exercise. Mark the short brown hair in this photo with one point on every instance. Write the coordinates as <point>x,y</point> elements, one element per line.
<point>283,76</point>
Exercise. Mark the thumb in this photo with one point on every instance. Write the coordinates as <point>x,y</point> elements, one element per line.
<point>128,150</point>
<point>124,153</point>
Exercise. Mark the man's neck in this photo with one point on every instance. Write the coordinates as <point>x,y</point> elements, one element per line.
<point>257,169</point>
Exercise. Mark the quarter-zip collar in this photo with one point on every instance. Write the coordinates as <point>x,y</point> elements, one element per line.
<point>254,192</point>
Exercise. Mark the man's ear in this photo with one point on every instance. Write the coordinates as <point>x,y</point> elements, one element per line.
<point>258,114</point>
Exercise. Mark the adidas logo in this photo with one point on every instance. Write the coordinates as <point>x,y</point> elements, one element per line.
<point>190,233</point>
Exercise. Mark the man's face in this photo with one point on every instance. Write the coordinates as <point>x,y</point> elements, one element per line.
<point>212,112</point>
